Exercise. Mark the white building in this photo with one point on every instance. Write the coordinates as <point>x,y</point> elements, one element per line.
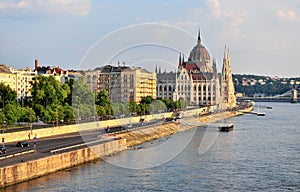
<point>197,82</point>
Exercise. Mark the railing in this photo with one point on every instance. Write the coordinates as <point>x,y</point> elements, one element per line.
<point>266,99</point>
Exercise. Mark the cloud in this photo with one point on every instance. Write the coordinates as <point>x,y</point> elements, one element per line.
<point>215,6</point>
<point>290,15</point>
<point>48,7</point>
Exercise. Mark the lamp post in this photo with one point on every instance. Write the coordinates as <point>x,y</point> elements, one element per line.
<point>30,120</point>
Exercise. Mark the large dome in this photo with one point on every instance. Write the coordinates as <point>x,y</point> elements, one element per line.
<point>200,56</point>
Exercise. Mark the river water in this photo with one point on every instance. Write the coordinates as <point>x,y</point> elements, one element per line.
<point>260,154</point>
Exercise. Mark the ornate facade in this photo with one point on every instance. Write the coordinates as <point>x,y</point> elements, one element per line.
<point>197,81</point>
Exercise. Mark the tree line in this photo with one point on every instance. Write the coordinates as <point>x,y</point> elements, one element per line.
<point>270,88</point>
<point>53,102</point>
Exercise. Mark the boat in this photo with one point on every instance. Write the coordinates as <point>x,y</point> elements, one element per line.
<point>226,127</point>
<point>260,113</point>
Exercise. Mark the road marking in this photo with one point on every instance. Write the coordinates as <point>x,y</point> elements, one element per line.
<point>17,154</point>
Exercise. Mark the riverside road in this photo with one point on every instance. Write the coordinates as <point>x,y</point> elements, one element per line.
<point>68,141</point>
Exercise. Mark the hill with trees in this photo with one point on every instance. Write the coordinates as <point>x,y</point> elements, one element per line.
<point>249,85</point>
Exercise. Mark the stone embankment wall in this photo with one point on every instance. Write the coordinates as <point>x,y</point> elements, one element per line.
<point>141,136</point>
<point>28,170</point>
<point>59,130</point>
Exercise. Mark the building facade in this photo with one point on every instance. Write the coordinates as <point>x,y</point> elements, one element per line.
<point>166,85</point>
<point>24,80</point>
<point>197,81</point>
<point>7,77</point>
<point>125,83</point>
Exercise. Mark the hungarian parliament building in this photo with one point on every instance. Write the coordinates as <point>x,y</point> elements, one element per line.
<point>197,81</point>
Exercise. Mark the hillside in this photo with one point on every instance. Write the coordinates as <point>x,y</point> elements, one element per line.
<point>251,85</point>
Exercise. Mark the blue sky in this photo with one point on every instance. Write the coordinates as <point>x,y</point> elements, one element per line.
<point>262,35</point>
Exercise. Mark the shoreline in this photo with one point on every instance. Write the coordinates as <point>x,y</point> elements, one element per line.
<point>25,171</point>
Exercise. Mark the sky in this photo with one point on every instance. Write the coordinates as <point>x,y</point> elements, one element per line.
<point>262,36</point>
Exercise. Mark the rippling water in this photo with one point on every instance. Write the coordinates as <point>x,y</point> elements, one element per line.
<point>260,154</point>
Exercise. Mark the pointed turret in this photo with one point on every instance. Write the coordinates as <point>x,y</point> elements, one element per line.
<point>156,69</point>
<point>215,68</point>
<point>228,91</point>
<point>180,62</point>
<point>228,57</point>
<point>159,70</point>
<point>225,54</point>
<point>199,38</point>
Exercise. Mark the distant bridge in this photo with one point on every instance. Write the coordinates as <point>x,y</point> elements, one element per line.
<point>285,97</point>
<point>265,99</point>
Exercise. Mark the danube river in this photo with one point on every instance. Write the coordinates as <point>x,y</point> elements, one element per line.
<point>260,154</point>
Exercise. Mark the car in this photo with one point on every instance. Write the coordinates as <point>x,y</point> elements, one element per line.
<point>2,150</point>
<point>169,119</point>
<point>22,144</point>
<point>178,116</point>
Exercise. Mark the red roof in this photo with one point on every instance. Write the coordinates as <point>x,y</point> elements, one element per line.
<point>198,76</point>
<point>191,66</point>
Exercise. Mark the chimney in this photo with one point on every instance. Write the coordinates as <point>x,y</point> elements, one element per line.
<point>36,63</point>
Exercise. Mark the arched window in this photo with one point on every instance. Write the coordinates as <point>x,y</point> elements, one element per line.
<point>160,88</point>
<point>170,88</point>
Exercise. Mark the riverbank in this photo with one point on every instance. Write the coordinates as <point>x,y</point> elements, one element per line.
<point>24,171</point>
<point>145,135</point>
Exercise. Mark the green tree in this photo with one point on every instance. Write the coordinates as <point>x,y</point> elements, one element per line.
<point>68,113</point>
<point>102,99</point>
<point>68,100</point>
<point>177,105</point>
<point>48,97</point>
<point>7,95</point>
<point>12,113</point>
<point>27,115</point>
<point>100,110</point>
<point>2,118</point>
<point>133,107</point>
<point>83,99</point>
<point>48,115</point>
<point>147,100</point>
<point>48,91</point>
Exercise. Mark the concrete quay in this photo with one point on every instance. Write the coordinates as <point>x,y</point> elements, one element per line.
<point>24,171</point>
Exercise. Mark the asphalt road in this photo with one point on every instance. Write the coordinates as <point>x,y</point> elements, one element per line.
<point>46,145</point>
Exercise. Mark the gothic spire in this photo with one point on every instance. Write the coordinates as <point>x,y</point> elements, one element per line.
<point>199,38</point>
<point>156,69</point>
<point>159,70</point>
<point>180,61</point>
<point>225,54</point>
<point>214,66</point>
<point>228,57</point>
